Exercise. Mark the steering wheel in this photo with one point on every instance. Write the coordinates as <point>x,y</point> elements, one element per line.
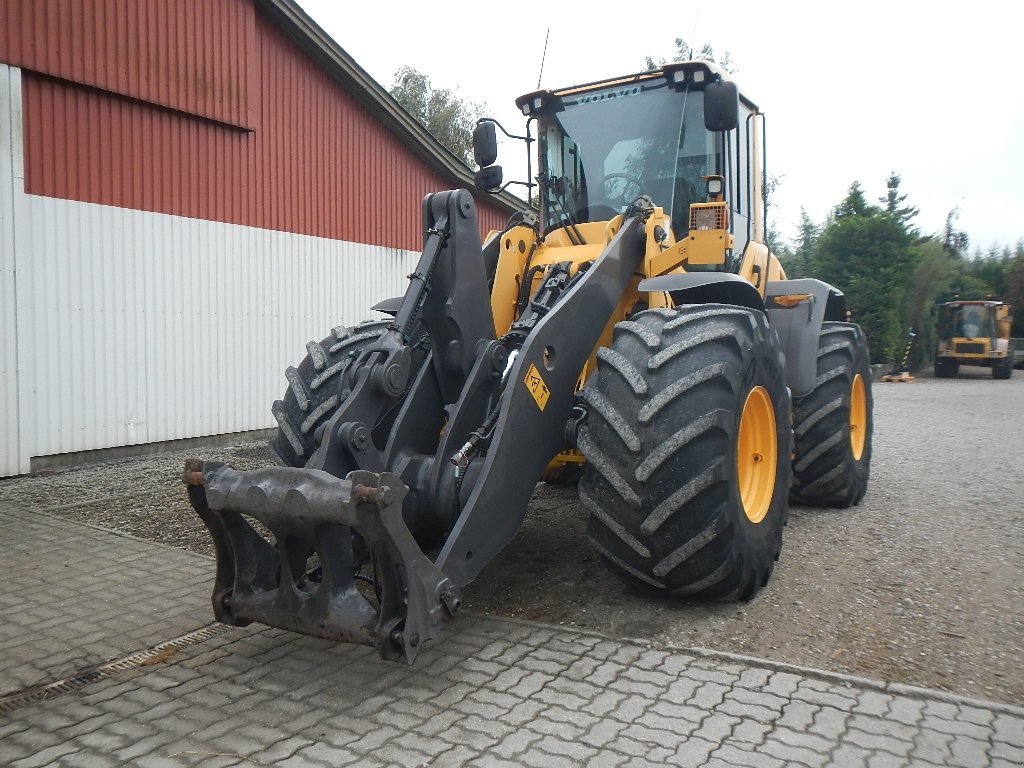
<point>621,194</point>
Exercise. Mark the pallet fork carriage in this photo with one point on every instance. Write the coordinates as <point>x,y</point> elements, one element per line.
<point>638,337</point>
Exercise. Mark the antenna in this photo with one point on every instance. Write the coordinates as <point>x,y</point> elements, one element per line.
<point>543,57</point>
<point>693,35</point>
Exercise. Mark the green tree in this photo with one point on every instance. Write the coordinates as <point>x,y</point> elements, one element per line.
<point>855,204</point>
<point>954,240</point>
<point>930,281</point>
<point>448,118</point>
<point>893,201</point>
<point>867,253</point>
<point>799,262</point>
<point>1015,288</point>
<point>686,52</point>
<point>772,237</point>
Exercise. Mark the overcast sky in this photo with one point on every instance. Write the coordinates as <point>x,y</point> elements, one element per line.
<point>851,92</point>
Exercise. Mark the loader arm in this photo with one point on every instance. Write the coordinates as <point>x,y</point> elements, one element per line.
<point>537,406</point>
<point>357,502</point>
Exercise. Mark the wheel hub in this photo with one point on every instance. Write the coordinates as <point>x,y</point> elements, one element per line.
<point>858,417</point>
<point>757,454</point>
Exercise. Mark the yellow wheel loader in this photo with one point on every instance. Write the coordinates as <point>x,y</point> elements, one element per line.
<point>974,333</point>
<point>634,333</point>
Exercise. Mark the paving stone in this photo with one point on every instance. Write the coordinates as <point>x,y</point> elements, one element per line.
<point>827,698</point>
<point>457,757</point>
<point>537,758</point>
<point>553,745</point>
<point>515,743</point>
<point>942,709</point>
<point>881,727</point>
<point>878,742</point>
<point>977,715</point>
<point>393,754</point>
<point>717,727</point>
<point>282,749</point>
<point>605,703</point>
<point>782,684</point>
<point>1008,752</point>
<point>544,726</point>
<point>607,672</point>
<point>491,761</point>
<point>906,711</point>
<point>708,696</point>
<point>969,752</point>
<point>793,755</point>
<point>630,709</point>
<point>658,755</point>
<point>932,746</point>
<point>683,712</point>
<point>575,717</point>
<point>750,732</point>
<point>531,684</point>
<point>603,733</point>
<point>957,727</point>
<point>829,723</point>
<point>872,703</point>
<point>607,760</point>
<point>46,756</point>
<point>1009,728</point>
<point>886,760</point>
<point>523,712</point>
<point>747,711</point>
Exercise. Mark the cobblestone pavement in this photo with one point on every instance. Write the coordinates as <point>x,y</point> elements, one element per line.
<point>75,595</point>
<point>490,692</point>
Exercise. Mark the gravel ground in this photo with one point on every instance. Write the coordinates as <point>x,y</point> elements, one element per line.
<point>920,584</point>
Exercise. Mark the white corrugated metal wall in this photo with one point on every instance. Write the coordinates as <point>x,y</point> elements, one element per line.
<point>136,327</point>
<point>13,459</point>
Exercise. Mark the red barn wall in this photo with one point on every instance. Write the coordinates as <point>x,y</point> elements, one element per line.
<point>207,110</point>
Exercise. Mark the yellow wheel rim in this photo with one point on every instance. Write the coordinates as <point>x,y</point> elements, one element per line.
<point>757,455</point>
<point>858,417</point>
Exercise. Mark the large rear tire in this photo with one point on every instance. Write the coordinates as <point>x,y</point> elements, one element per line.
<point>314,389</point>
<point>688,442</point>
<point>832,424</point>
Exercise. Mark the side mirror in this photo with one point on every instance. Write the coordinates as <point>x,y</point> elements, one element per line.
<point>721,106</point>
<point>488,179</point>
<point>485,144</point>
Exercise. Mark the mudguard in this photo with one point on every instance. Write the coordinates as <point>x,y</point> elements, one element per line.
<point>705,288</point>
<point>797,309</point>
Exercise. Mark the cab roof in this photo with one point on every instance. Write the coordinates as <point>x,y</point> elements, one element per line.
<point>710,71</point>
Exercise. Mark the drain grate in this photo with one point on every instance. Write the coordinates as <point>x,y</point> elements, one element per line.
<point>155,655</point>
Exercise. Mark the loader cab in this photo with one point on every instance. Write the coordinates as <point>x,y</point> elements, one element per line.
<point>660,133</point>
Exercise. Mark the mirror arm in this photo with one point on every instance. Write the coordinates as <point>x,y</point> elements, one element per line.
<point>529,139</point>
<point>526,138</point>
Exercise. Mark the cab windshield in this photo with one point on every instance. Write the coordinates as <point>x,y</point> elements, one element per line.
<point>971,321</point>
<point>606,148</point>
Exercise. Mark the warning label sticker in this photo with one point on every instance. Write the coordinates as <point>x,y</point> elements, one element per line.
<point>537,387</point>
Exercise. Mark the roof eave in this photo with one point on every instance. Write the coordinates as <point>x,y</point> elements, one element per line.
<point>322,48</point>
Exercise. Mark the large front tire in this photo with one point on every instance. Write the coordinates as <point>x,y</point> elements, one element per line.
<point>1003,369</point>
<point>687,442</point>
<point>314,390</point>
<point>946,368</point>
<point>833,422</point>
